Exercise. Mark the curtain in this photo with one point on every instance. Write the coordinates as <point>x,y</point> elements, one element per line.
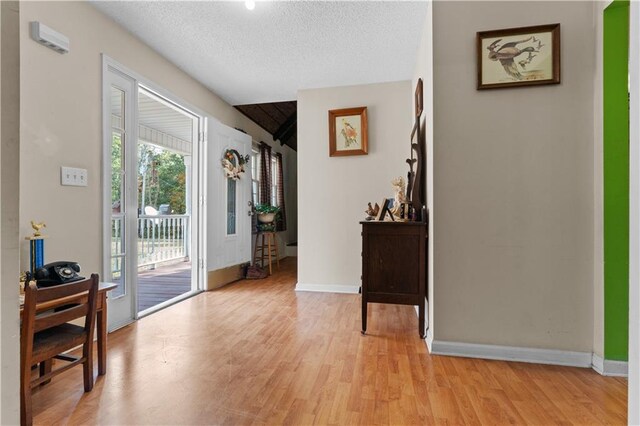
<point>265,174</point>
<point>281,222</point>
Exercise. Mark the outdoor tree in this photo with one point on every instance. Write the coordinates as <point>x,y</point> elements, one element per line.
<point>161,177</point>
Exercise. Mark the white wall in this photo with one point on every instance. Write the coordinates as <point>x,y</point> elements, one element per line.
<point>9,201</point>
<point>514,186</point>
<point>61,121</point>
<point>424,70</point>
<point>333,191</point>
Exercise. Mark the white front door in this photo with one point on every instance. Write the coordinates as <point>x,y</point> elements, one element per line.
<point>120,201</point>
<point>228,200</point>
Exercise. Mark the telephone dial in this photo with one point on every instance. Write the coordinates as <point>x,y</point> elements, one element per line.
<point>62,272</point>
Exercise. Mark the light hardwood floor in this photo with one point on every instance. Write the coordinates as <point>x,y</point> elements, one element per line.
<point>256,352</point>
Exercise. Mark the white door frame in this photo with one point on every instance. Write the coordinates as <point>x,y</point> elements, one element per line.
<point>634,216</point>
<point>199,169</point>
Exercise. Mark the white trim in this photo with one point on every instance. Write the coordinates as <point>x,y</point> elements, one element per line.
<point>429,340</point>
<point>607,367</point>
<point>167,303</point>
<point>633,416</point>
<point>616,368</point>
<point>512,353</point>
<point>426,316</point>
<point>173,99</point>
<point>597,363</point>
<point>518,354</point>
<point>328,288</point>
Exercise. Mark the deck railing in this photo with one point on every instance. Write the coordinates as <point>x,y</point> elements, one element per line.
<point>161,238</point>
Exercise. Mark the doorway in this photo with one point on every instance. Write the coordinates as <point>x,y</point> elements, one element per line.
<point>164,178</point>
<point>152,175</point>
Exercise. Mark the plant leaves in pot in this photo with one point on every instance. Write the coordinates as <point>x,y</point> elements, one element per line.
<point>266,213</point>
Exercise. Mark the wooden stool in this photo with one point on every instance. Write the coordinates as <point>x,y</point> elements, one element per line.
<point>266,249</point>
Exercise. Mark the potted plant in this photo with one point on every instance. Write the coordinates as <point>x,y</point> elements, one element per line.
<point>266,213</point>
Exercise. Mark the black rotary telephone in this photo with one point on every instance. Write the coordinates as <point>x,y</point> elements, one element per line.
<point>55,273</point>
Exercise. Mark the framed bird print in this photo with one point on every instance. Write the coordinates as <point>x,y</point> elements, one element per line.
<point>348,132</point>
<point>515,57</point>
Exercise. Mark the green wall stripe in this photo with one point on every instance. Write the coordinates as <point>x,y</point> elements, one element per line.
<point>616,180</point>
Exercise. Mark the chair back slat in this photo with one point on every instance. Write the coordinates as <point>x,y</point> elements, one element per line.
<point>63,290</point>
<point>73,300</point>
<point>52,318</point>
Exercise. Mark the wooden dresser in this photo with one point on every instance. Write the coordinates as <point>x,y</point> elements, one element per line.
<point>394,266</point>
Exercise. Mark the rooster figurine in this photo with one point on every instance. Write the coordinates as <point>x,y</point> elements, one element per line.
<point>37,226</point>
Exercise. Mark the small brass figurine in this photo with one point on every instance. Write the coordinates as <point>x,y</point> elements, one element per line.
<point>37,226</point>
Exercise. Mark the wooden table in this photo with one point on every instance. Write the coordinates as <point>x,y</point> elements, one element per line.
<point>101,323</point>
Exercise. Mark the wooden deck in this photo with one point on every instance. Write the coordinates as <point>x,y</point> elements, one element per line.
<point>163,283</point>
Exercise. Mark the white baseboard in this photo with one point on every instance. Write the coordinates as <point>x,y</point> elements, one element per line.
<point>328,288</point>
<point>608,367</point>
<point>512,353</point>
<point>597,363</point>
<point>429,340</point>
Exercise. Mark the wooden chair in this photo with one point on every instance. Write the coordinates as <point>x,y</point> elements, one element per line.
<point>46,334</point>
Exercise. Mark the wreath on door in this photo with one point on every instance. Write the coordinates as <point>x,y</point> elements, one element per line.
<point>233,164</point>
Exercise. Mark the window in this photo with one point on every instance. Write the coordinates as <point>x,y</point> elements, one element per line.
<point>274,181</point>
<point>231,204</point>
<point>255,177</point>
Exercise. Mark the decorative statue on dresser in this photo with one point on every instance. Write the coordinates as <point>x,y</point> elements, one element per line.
<point>399,186</point>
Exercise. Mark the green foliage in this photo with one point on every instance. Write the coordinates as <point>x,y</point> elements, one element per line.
<point>161,176</point>
<point>162,173</point>
<point>116,168</point>
<point>266,208</point>
<point>266,227</point>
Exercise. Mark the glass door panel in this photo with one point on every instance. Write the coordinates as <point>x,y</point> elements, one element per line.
<point>118,97</point>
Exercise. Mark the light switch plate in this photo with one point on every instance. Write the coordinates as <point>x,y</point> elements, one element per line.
<point>70,176</point>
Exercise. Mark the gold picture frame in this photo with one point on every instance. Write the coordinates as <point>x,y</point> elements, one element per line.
<point>348,132</point>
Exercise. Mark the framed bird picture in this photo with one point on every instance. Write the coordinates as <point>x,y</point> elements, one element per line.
<point>348,132</point>
<point>516,57</point>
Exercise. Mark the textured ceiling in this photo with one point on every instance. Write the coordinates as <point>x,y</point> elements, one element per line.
<point>267,54</point>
